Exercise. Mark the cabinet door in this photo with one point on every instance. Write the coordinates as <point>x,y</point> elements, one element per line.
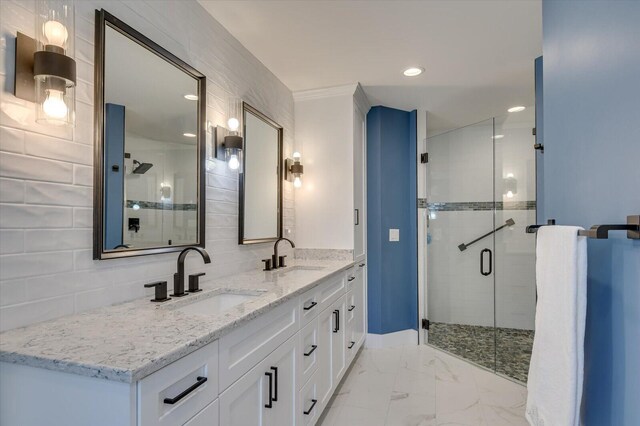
<point>350,329</point>
<point>243,403</point>
<point>207,417</point>
<point>359,182</point>
<point>324,374</point>
<point>360,309</point>
<point>282,363</point>
<point>338,346</point>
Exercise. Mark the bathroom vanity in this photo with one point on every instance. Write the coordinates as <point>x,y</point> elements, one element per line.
<point>258,348</point>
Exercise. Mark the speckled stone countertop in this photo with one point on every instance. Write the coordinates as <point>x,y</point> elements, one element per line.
<point>128,342</point>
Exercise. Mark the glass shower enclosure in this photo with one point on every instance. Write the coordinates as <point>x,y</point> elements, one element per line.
<point>480,262</point>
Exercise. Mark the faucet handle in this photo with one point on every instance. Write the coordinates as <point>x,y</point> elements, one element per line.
<point>267,264</point>
<point>161,291</point>
<point>194,282</point>
<point>281,261</point>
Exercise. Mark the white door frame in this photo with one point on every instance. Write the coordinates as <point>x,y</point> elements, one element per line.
<point>421,176</point>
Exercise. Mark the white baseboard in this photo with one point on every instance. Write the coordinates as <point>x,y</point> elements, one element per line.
<point>391,340</point>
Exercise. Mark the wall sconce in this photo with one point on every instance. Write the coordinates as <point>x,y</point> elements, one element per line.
<point>165,192</point>
<point>229,142</point>
<point>293,170</point>
<point>44,74</point>
<point>510,185</point>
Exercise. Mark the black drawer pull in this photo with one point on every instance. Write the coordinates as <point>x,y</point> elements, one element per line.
<point>275,381</point>
<point>270,403</point>
<point>337,318</point>
<point>307,308</point>
<point>313,348</point>
<point>196,385</point>
<point>313,404</point>
<point>352,307</point>
<point>351,278</point>
<point>352,344</point>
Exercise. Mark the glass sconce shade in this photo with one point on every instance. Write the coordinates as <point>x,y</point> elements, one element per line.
<point>234,123</point>
<point>233,157</point>
<point>54,70</point>
<point>294,170</point>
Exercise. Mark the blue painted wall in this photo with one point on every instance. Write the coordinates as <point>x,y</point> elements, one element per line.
<point>114,180</point>
<point>592,175</point>
<point>391,203</point>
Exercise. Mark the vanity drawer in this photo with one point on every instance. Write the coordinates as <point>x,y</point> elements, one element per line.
<point>331,290</point>
<point>191,383</point>
<point>308,411</point>
<point>308,351</point>
<point>249,344</point>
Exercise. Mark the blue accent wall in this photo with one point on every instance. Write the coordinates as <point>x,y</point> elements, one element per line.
<point>114,180</point>
<point>391,203</point>
<point>592,175</point>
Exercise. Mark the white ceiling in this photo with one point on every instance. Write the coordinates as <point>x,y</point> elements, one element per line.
<point>478,54</point>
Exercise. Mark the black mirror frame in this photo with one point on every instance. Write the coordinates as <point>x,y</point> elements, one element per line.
<point>103,18</point>
<point>241,239</point>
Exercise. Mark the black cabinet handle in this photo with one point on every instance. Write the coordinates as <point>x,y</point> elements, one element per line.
<point>351,278</point>
<point>352,344</point>
<point>482,262</point>
<point>270,403</point>
<point>200,381</point>
<point>313,404</point>
<point>361,265</point>
<point>275,381</point>
<point>313,348</point>
<point>337,318</point>
<point>307,308</point>
<point>352,307</point>
<point>357,211</point>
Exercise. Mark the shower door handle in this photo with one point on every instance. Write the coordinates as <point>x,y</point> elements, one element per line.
<point>482,262</point>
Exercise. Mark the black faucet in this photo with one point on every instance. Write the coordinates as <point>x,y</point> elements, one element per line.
<point>278,261</point>
<point>178,277</point>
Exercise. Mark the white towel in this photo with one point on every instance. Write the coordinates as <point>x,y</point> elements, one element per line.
<point>557,361</point>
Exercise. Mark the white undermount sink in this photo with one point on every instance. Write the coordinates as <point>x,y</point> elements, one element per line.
<point>216,304</point>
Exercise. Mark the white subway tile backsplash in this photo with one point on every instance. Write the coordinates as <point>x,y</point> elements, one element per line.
<point>13,216</point>
<point>58,149</point>
<point>11,241</point>
<point>11,140</point>
<point>57,239</point>
<point>48,271</point>
<point>11,191</point>
<point>25,167</point>
<point>22,265</point>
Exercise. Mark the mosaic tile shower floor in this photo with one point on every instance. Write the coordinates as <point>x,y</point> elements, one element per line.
<point>506,350</point>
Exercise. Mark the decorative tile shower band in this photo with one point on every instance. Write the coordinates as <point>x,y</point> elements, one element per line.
<point>477,205</point>
<point>161,206</point>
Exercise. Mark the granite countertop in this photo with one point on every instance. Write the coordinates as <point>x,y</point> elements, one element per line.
<point>129,341</point>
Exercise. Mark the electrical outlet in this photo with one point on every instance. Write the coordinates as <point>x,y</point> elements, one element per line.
<point>394,234</point>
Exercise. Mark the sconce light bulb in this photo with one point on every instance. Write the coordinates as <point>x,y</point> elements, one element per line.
<point>55,33</point>
<point>509,175</point>
<point>233,162</point>
<point>136,206</point>
<point>233,124</point>
<point>54,105</point>
<point>296,156</point>
<point>297,182</point>
<point>509,194</point>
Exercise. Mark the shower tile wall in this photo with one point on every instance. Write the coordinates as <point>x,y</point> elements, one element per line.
<point>46,173</point>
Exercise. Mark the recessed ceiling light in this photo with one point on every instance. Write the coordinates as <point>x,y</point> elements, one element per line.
<point>191,97</point>
<point>413,71</point>
<point>498,136</point>
<point>516,109</point>
<point>189,135</point>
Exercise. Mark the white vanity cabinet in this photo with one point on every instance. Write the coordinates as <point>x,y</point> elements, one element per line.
<point>279,369</point>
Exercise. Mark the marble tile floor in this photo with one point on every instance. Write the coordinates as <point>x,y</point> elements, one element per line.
<point>506,350</point>
<point>422,386</point>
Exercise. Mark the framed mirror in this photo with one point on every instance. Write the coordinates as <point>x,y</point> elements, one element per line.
<point>261,180</point>
<point>149,174</point>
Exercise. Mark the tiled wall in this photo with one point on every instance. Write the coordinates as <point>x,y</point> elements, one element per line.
<point>46,266</point>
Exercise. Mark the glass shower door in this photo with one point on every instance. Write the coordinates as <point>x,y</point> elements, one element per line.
<point>460,250</point>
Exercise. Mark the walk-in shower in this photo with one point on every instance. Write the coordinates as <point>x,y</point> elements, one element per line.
<point>480,263</point>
